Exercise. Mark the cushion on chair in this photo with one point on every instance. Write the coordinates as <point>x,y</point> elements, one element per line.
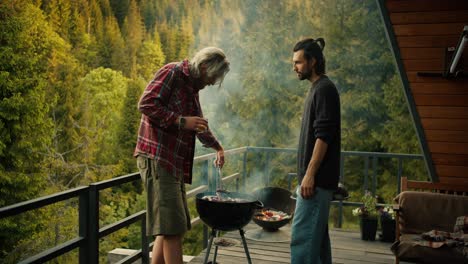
<point>423,211</point>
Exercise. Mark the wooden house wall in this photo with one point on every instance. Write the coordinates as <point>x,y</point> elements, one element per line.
<point>423,30</point>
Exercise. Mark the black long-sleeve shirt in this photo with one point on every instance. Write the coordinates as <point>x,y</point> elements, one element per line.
<point>321,119</point>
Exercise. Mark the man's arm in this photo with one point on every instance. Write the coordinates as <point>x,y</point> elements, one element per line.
<point>153,102</point>
<point>308,182</point>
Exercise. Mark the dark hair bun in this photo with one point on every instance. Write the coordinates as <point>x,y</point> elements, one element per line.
<point>321,43</point>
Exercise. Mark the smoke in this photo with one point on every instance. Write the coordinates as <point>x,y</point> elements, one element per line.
<point>260,100</point>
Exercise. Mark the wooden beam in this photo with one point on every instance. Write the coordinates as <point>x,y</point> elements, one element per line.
<point>446,136</point>
<point>412,53</point>
<point>407,185</point>
<point>437,53</point>
<point>455,112</point>
<point>429,29</point>
<point>452,171</point>
<point>462,182</point>
<point>450,159</point>
<point>454,87</point>
<point>428,41</point>
<point>440,100</point>
<point>436,65</point>
<point>445,124</point>
<point>413,77</point>
<point>448,148</point>
<point>429,17</point>
<point>425,5</point>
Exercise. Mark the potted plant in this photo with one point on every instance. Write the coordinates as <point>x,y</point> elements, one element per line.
<point>387,222</point>
<point>367,216</point>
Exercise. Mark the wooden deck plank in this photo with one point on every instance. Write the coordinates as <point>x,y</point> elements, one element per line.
<point>347,247</point>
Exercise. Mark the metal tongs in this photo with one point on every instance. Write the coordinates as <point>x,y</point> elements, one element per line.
<point>220,191</point>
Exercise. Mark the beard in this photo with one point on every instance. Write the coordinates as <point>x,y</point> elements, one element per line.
<point>305,75</point>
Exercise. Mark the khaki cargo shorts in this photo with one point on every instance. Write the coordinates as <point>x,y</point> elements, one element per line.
<point>166,201</point>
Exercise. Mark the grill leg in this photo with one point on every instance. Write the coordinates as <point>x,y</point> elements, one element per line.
<point>207,255</point>
<point>241,231</point>
<point>216,249</point>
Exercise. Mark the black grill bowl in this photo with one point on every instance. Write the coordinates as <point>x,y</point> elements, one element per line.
<point>227,216</point>
<point>275,198</point>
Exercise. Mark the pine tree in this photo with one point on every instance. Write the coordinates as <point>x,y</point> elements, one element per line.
<point>27,43</point>
<point>128,128</point>
<point>134,33</point>
<point>168,34</point>
<point>112,46</point>
<point>150,58</point>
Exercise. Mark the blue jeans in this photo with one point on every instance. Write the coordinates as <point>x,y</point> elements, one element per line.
<point>310,242</point>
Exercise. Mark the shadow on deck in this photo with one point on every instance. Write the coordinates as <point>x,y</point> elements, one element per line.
<point>347,247</point>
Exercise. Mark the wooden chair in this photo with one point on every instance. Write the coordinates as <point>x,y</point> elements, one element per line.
<point>425,187</point>
<point>436,187</point>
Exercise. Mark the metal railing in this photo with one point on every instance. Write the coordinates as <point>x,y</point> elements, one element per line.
<point>90,232</point>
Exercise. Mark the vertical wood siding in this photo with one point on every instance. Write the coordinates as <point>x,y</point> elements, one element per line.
<point>423,30</point>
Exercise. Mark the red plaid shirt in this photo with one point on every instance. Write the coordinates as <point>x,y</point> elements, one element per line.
<point>169,95</point>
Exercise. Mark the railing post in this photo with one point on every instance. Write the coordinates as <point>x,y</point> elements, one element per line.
<point>290,175</point>
<point>213,175</point>
<point>209,182</point>
<point>340,204</point>
<point>205,172</point>
<point>400,172</point>
<point>340,213</point>
<point>144,242</point>
<point>366,172</point>
<point>206,179</point>
<point>342,168</point>
<point>83,207</point>
<point>244,169</point>
<point>374,174</point>
<point>93,242</point>
<point>265,170</point>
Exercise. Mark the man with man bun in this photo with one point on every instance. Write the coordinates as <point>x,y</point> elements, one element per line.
<point>318,156</point>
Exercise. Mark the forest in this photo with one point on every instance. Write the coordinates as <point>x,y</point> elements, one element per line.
<point>71,74</point>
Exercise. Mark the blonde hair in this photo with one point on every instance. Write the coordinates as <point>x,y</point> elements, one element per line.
<point>217,66</point>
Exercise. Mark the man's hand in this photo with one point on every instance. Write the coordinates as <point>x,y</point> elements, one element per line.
<point>308,182</point>
<point>307,186</point>
<point>219,162</point>
<point>196,124</point>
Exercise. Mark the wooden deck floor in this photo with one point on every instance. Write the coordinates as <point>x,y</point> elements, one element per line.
<point>347,247</point>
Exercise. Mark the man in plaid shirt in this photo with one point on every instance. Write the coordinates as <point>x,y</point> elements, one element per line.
<point>171,119</point>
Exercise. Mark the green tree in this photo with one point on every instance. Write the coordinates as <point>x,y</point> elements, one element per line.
<point>28,43</point>
<point>103,91</point>
<point>120,9</point>
<point>184,39</point>
<point>150,58</point>
<point>128,129</point>
<point>112,46</point>
<point>168,34</point>
<point>59,15</point>
<point>134,32</point>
